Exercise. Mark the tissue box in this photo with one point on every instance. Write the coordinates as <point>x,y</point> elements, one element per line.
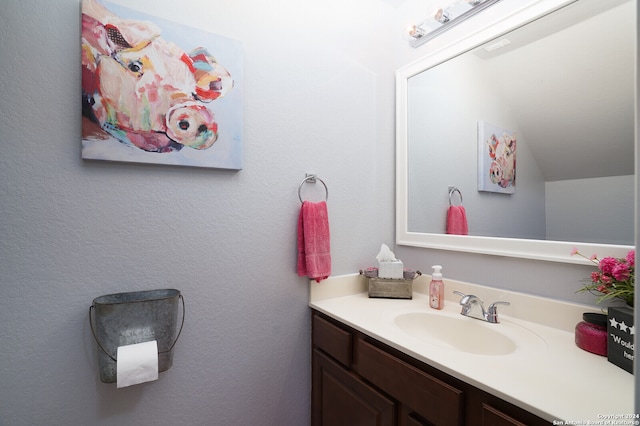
<point>390,288</point>
<point>620,346</point>
<point>390,269</point>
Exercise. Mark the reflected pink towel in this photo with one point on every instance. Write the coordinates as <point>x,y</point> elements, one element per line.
<point>314,250</point>
<point>457,221</point>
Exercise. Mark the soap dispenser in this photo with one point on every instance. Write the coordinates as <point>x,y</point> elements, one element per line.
<point>436,288</point>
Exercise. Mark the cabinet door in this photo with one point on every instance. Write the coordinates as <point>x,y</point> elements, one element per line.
<point>339,398</point>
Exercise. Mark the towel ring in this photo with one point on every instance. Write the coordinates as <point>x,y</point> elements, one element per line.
<point>312,179</point>
<point>453,189</point>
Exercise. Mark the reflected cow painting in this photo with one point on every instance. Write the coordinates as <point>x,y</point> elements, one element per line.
<point>496,159</point>
<point>155,91</point>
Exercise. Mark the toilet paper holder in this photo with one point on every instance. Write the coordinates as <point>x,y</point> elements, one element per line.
<point>135,317</point>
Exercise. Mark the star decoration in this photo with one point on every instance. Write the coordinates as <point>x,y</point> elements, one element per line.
<point>613,322</point>
<point>623,326</point>
<point>631,329</point>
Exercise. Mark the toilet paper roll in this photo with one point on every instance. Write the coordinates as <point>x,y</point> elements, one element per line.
<point>137,363</point>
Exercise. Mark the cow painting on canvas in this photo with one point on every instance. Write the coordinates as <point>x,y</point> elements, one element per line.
<point>151,96</point>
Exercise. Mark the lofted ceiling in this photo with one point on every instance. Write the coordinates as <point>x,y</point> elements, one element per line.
<point>572,91</point>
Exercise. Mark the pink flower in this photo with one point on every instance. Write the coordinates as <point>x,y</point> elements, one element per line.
<point>574,251</point>
<point>621,272</point>
<point>608,264</point>
<point>614,278</point>
<point>631,258</point>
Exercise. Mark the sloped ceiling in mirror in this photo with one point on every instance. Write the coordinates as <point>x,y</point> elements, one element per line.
<point>546,105</point>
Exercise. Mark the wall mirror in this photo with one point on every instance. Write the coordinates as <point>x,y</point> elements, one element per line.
<point>561,81</point>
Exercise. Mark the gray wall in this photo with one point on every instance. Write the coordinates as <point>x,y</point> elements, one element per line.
<point>318,97</point>
<point>598,210</point>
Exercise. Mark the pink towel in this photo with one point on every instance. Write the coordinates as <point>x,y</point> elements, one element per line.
<point>457,221</point>
<point>314,257</point>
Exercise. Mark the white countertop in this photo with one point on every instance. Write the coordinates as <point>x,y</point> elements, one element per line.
<point>553,379</point>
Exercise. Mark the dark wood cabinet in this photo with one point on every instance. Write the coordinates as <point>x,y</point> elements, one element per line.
<point>360,381</point>
<point>431,398</point>
<point>343,399</point>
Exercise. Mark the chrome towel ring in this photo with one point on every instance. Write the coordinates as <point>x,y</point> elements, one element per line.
<point>311,178</point>
<point>453,189</point>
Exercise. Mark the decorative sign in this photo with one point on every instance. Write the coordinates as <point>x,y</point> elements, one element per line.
<point>620,343</point>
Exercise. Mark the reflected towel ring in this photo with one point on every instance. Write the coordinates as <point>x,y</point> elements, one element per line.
<point>453,189</point>
<point>310,178</point>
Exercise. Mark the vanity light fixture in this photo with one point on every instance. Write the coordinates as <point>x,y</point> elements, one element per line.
<point>443,19</point>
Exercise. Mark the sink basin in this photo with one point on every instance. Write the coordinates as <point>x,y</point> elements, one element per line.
<point>466,334</point>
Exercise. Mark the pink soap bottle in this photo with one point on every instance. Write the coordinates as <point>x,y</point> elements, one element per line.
<point>436,289</point>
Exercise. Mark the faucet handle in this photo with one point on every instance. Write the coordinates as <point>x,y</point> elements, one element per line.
<point>463,301</point>
<point>492,311</point>
<point>468,298</point>
<point>468,302</point>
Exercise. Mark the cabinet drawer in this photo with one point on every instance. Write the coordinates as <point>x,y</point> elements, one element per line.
<point>493,417</point>
<point>332,339</point>
<point>431,398</point>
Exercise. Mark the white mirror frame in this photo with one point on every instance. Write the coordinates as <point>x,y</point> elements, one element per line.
<point>556,251</point>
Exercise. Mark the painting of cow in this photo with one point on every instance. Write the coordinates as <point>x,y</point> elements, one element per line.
<point>496,159</point>
<point>146,98</point>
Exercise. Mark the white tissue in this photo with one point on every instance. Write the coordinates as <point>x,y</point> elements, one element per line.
<point>385,255</point>
<point>137,363</point>
<point>393,269</point>
<point>388,265</point>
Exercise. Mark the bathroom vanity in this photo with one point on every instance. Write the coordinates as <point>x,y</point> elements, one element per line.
<point>359,380</point>
<point>376,361</point>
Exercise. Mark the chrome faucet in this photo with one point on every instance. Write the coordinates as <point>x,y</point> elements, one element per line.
<point>472,307</point>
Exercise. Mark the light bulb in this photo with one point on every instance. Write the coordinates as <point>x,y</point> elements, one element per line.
<point>415,31</point>
<point>441,16</point>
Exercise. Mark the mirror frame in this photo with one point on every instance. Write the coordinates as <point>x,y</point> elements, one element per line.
<point>546,250</point>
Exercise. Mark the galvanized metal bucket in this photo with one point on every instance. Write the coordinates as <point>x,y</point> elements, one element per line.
<point>127,318</point>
